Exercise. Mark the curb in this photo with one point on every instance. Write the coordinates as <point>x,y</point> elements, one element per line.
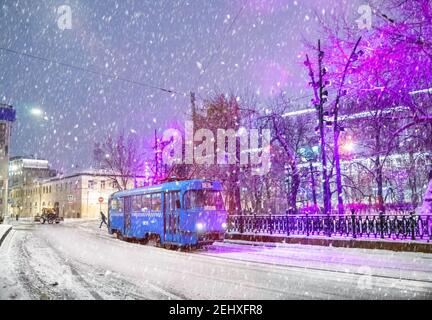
<point>341,243</point>
<point>5,234</point>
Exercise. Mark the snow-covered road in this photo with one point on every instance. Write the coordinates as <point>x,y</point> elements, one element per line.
<point>77,260</point>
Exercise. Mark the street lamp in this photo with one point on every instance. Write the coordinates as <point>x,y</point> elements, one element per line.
<point>348,146</point>
<point>36,112</point>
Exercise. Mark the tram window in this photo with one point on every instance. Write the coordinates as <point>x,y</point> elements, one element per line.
<point>136,203</point>
<point>174,201</point>
<point>114,204</point>
<point>156,202</point>
<point>117,205</point>
<point>203,199</point>
<point>146,202</point>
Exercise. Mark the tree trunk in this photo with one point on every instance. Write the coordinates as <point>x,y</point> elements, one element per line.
<point>295,184</point>
<point>379,181</point>
<point>314,196</point>
<point>426,208</point>
<point>338,172</point>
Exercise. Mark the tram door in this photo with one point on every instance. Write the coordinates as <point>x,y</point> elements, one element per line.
<point>127,216</point>
<point>172,216</point>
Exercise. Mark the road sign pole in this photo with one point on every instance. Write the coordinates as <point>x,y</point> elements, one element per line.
<point>101,199</point>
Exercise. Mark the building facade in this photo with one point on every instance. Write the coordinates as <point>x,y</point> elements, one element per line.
<point>76,195</point>
<point>23,174</point>
<point>7,117</point>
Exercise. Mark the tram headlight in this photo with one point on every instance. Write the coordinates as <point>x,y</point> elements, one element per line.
<point>199,226</point>
<point>224,225</point>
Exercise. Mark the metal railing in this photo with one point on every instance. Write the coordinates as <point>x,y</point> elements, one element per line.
<point>406,226</point>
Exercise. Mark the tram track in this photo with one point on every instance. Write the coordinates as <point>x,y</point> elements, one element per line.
<point>88,263</point>
<point>294,266</point>
<point>280,269</point>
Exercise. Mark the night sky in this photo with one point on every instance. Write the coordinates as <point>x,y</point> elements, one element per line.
<point>166,44</point>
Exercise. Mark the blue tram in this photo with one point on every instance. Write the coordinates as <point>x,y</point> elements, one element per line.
<point>179,213</point>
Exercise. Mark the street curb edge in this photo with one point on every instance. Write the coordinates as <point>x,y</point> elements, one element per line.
<point>5,235</point>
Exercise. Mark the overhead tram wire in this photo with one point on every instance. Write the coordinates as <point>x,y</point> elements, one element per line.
<point>110,76</point>
<point>106,75</point>
<point>207,66</point>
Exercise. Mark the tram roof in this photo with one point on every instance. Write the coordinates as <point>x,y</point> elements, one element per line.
<point>168,186</point>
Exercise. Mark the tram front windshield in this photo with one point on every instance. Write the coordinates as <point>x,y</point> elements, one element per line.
<point>204,199</point>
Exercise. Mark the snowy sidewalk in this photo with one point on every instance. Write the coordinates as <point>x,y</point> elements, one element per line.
<point>4,230</point>
<point>406,245</point>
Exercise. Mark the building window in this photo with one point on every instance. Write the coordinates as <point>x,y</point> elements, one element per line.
<point>91,184</point>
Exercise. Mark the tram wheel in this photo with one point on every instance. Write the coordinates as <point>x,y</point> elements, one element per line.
<point>170,246</point>
<point>153,240</point>
<point>119,235</point>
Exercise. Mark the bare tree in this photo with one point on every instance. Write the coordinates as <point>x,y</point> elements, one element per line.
<point>121,157</point>
<point>221,112</point>
<point>289,135</point>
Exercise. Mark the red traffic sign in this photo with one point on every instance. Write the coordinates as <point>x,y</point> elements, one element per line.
<point>101,199</point>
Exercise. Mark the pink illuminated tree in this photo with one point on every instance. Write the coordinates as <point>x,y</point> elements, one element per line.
<point>393,72</point>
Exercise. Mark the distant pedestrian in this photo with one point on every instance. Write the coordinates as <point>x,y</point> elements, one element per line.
<point>103,220</point>
<point>16,217</point>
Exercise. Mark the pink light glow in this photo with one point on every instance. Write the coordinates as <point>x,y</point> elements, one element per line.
<point>271,77</point>
<point>349,146</point>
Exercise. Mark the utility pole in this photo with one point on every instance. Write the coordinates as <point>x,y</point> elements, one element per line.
<point>320,98</point>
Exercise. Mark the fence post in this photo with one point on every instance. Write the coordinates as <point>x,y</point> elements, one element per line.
<point>270,224</point>
<point>254,223</point>
<point>381,216</point>
<point>412,220</point>
<point>429,222</point>
<point>287,222</point>
<point>307,224</point>
<point>429,227</point>
<point>353,219</point>
<point>329,226</point>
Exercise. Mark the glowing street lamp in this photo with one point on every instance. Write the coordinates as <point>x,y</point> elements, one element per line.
<point>348,146</point>
<point>36,112</point>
